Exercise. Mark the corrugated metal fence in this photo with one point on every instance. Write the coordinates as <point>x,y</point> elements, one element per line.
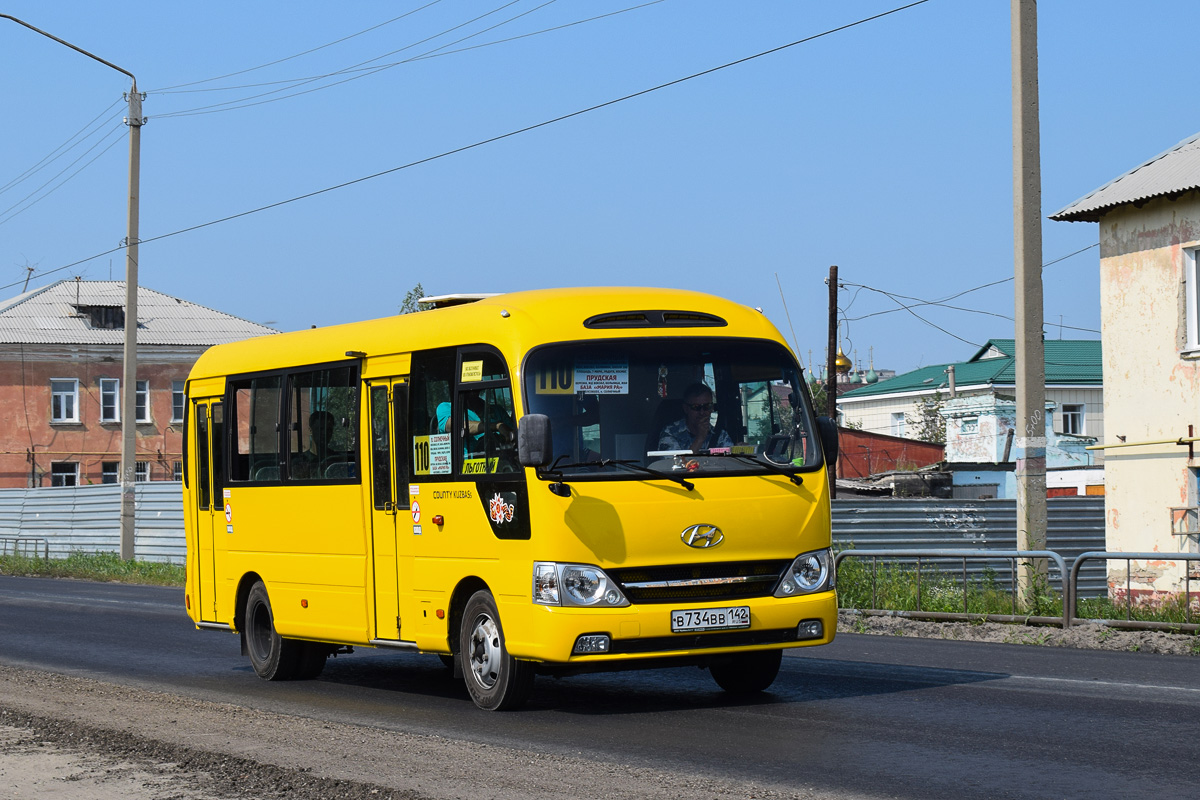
<point>87,518</point>
<point>1075,525</point>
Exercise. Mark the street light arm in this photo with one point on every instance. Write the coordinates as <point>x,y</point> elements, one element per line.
<point>73,47</point>
<point>129,368</point>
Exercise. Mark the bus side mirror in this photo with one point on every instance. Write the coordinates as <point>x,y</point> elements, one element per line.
<point>829,439</point>
<point>535,446</point>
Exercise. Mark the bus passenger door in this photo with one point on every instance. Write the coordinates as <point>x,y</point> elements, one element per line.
<point>209,513</point>
<point>389,501</point>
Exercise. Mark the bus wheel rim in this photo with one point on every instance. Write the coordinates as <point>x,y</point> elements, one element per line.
<point>485,651</point>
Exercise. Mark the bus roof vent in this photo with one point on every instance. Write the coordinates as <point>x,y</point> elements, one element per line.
<point>654,319</point>
<point>447,300</point>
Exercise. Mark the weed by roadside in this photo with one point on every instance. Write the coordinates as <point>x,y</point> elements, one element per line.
<point>95,567</point>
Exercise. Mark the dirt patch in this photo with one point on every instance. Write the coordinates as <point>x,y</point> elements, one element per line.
<point>69,738</point>
<point>1088,636</point>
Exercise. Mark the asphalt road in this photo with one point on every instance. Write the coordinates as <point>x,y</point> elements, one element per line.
<point>879,715</point>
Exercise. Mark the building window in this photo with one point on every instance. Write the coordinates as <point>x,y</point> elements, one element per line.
<point>177,471</point>
<point>110,400</point>
<point>1191,283</point>
<point>110,471</point>
<point>142,400</point>
<point>64,473</point>
<point>178,398</point>
<point>1072,418</point>
<point>897,423</point>
<point>141,471</point>
<point>103,317</point>
<point>64,400</point>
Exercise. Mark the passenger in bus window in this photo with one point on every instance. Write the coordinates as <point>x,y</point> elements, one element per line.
<point>695,431</point>
<point>307,464</point>
<point>477,411</point>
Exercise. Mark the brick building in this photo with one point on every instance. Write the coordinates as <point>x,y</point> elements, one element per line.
<point>61,351</point>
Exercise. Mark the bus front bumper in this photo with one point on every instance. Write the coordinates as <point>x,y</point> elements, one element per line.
<point>569,635</point>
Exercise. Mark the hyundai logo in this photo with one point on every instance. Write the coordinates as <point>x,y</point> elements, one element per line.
<point>702,536</point>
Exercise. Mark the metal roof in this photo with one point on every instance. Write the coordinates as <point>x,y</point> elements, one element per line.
<point>1069,362</point>
<point>1169,173</point>
<point>52,315</point>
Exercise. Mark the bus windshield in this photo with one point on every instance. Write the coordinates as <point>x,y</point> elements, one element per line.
<point>684,406</point>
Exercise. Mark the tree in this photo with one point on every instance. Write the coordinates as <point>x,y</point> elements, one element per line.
<point>410,302</point>
<point>928,420</point>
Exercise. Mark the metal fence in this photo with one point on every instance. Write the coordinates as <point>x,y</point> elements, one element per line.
<point>88,519</point>
<point>1075,525</point>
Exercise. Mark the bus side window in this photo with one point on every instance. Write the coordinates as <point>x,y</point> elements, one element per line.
<point>203,485</point>
<point>255,408</point>
<point>400,437</point>
<point>388,437</point>
<point>322,423</point>
<point>381,448</point>
<point>431,377</point>
<point>218,452</point>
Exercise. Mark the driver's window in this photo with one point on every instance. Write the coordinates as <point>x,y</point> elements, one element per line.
<point>484,418</point>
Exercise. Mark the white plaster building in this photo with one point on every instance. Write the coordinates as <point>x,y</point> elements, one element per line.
<point>1073,386</point>
<point>1150,314</point>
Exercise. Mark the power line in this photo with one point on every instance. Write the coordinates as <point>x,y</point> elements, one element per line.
<point>170,89</point>
<point>502,136</point>
<point>230,105</point>
<point>896,298</point>
<point>290,82</point>
<point>5,219</point>
<point>61,150</point>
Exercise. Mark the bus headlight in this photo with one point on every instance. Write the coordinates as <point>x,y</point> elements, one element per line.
<point>574,585</point>
<point>809,573</point>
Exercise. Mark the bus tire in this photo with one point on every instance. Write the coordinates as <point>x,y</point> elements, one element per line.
<point>495,680</point>
<point>273,657</point>
<point>747,673</point>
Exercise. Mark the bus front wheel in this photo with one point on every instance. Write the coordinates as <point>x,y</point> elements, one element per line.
<point>495,680</point>
<point>272,656</point>
<point>747,673</point>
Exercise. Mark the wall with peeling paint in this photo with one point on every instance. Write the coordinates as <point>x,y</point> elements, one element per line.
<point>1151,382</point>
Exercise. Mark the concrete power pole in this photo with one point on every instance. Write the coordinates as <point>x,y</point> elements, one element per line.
<point>129,371</point>
<point>1031,354</point>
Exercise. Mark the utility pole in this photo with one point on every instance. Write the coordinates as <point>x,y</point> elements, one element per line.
<point>129,371</point>
<point>1027,257</point>
<point>831,372</point>
<point>135,120</point>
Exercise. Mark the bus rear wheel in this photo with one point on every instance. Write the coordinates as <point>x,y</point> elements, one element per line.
<point>747,673</point>
<point>495,680</point>
<point>273,657</point>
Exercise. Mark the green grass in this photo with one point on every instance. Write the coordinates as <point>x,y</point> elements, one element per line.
<point>895,589</point>
<point>1166,608</point>
<point>95,567</point>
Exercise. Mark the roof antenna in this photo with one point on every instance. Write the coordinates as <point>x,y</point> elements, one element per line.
<point>28,275</point>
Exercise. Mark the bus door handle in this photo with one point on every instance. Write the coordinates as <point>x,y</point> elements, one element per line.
<point>389,507</point>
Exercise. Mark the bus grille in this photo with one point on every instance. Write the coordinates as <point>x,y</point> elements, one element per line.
<point>699,583</point>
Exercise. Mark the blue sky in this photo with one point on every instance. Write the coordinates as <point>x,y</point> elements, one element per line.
<point>884,149</point>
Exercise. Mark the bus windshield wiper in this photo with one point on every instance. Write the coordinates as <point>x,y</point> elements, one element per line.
<point>778,469</point>
<point>638,466</point>
<point>555,470</point>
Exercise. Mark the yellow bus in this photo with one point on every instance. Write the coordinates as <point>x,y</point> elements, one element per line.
<point>542,482</point>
